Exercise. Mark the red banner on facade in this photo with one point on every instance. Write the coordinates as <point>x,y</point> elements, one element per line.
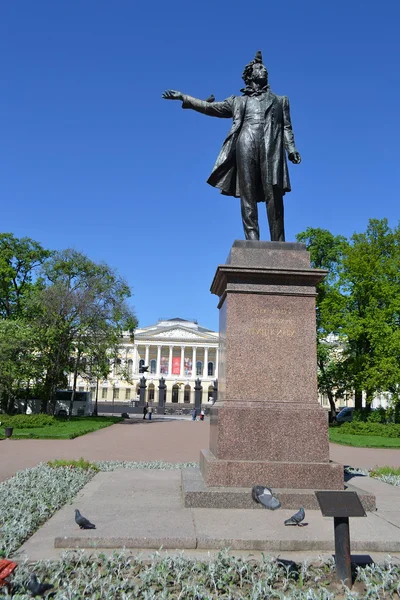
<point>176,365</point>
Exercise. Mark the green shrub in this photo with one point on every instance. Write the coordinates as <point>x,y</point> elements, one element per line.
<point>377,416</point>
<point>390,430</point>
<point>366,415</point>
<point>27,421</point>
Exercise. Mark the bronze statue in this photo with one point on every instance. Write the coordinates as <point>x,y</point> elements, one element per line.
<point>252,162</point>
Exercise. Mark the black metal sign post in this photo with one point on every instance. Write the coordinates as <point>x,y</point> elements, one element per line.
<point>341,506</point>
<point>342,549</point>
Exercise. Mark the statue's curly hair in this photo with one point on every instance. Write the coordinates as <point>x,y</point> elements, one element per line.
<point>248,70</point>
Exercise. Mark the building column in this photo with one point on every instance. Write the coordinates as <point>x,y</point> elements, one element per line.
<point>158,360</point>
<point>171,349</point>
<point>205,366</point>
<point>182,361</point>
<point>216,361</point>
<point>146,358</point>
<point>194,358</point>
<point>135,359</point>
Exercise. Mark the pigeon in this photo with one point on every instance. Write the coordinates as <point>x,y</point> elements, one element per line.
<point>82,521</point>
<point>36,588</point>
<point>143,369</point>
<point>211,98</point>
<point>263,495</point>
<point>297,518</point>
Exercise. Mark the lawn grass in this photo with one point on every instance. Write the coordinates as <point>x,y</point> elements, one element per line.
<point>362,441</point>
<point>64,429</point>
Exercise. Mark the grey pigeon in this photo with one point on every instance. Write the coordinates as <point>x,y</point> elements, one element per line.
<point>36,588</point>
<point>82,521</point>
<point>211,98</point>
<point>263,495</point>
<point>297,518</point>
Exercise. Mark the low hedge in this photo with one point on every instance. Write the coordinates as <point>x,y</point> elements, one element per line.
<point>390,430</point>
<point>27,421</point>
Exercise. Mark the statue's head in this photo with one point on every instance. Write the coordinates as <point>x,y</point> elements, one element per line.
<point>255,71</point>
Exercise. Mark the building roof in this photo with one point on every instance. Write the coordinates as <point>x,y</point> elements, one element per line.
<point>176,328</point>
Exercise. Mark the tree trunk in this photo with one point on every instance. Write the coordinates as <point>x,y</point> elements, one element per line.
<point>358,399</point>
<point>331,403</point>
<point>95,413</point>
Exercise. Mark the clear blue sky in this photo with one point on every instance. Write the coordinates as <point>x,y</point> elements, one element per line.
<point>91,157</point>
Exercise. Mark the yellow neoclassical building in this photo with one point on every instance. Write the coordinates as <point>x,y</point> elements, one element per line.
<point>179,350</point>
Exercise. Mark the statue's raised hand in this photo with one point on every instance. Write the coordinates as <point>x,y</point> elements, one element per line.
<point>172,95</point>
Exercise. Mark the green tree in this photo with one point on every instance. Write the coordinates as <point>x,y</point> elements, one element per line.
<point>82,311</point>
<point>19,261</point>
<point>19,362</point>
<point>359,303</point>
<point>326,252</point>
<point>370,284</point>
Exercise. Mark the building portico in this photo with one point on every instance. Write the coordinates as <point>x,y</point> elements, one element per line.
<point>178,350</point>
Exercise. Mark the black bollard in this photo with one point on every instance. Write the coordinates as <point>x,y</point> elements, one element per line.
<point>142,392</point>
<point>215,391</point>
<point>198,391</point>
<point>162,388</point>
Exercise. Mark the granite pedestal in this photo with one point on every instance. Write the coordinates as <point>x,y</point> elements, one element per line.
<point>267,426</point>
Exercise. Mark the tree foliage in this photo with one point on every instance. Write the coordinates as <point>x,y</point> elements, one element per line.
<point>60,313</point>
<point>358,308</point>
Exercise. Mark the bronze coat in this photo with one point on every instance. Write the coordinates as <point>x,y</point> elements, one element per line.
<point>278,136</point>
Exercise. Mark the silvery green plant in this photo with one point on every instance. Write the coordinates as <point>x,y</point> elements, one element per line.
<point>122,576</point>
<point>31,497</point>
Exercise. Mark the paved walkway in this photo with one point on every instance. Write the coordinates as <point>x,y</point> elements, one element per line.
<point>114,501</point>
<point>138,440</point>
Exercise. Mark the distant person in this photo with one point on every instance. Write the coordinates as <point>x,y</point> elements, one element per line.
<point>194,414</point>
<point>150,412</point>
<point>202,415</point>
<point>28,410</point>
<point>145,410</point>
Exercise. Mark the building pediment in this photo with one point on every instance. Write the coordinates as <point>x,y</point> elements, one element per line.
<point>175,333</point>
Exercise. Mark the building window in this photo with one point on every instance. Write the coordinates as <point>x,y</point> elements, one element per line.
<point>104,393</point>
<point>175,393</point>
<point>130,368</point>
<point>116,394</point>
<point>151,392</point>
<point>117,366</point>
<point>199,368</point>
<point>141,363</point>
<point>153,366</point>
<point>93,393</point>
<point>127,393</point>
<point>186,395</point>
<point>81,389</point>
<point>210,369</point>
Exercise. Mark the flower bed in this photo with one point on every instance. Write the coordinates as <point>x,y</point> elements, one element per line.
<point>122,577</point>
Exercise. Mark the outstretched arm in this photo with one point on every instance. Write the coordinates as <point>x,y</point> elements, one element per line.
<point>293,155</point>
<point>213,109</point>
